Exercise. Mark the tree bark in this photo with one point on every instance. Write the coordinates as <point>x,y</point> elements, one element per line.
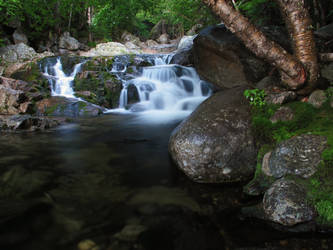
<point>258,43</point>
<point>300,29</point>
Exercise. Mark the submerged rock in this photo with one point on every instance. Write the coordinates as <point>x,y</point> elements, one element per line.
<point>285,203</point>
<point>298,156</point>
<point>215,144</point>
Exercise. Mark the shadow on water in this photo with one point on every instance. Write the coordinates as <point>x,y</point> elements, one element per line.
<point>110,179</point>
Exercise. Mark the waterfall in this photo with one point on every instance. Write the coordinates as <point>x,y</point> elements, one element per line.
<point>163,89</point>
<point>61,83</point>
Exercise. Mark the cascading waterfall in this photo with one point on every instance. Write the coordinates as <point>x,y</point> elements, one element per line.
<point>164,89</point>
<point>61,83</point>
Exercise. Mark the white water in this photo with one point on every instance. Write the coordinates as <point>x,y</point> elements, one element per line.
<point>165,92</point>
<point>61,84</point>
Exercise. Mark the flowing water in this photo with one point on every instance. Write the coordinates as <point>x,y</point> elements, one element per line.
<point>110,179</point>
<point>60,82</point>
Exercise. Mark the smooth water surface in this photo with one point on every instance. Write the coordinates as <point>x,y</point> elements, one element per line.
<point>110,179</point>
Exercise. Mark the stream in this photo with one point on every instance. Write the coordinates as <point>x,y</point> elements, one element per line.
<point>110,179</point>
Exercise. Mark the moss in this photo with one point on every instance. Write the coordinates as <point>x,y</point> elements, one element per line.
<point>51,110</point>
<point>306,120</point>
<point>82,105</point>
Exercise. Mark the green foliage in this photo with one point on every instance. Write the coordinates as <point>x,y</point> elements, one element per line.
<point>307,119</point>
<point>254,9</point>
<point>256,97</point>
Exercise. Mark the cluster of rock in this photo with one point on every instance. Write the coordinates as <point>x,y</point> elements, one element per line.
<point>216,143</point>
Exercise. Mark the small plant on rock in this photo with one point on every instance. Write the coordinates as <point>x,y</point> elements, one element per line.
<point>256,97</point>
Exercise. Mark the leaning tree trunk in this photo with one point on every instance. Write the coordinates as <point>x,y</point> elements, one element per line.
<point>294,73</point>
<point>300,29</point>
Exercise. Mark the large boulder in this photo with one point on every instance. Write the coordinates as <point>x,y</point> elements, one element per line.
<point>17,52</point>
<point>65,107</point>
<point>128,37</point>
<point>67,42</point>
<point>221,58</point>
<point>215,144</point>
<point>285,203</point>
<point>164,38</point>
<point>299,156</point>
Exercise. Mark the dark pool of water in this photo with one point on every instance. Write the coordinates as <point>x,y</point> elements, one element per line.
<point>110,179</point>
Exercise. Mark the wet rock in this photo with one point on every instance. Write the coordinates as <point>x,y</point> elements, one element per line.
<point>279,96</point>
<point>19,37</point>
<point>130,233</point>
<point>67,42</point>
<point>132,94</point>
<point>183,57</point>
<point>28,122</point>
<point>164,38</point>
<point>215,144</point>
<point>61,106</point>
<point>317,98</point>
<point>221,58</point>
<point>285,203</point>
<point>186,42</point>
<point>194,30</point>
<point>283,114</point>
<point>87,245</point>
<point>298,156</point>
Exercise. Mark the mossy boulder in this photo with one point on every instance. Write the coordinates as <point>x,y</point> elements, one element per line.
<point>61,106</point>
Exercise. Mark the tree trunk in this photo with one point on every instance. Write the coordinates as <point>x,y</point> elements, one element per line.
<point>258,43</point>
<point>300,29</point>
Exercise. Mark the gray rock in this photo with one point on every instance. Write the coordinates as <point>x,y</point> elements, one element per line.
<point>19,37</point>
<point>215,144</point>
<point>221,58</point>
<point>68,42</point>
<point>186,42</point>
<point>183,57</point>
<point>283,114</point>
<point>107,49</point>
<point>298,156</point>
<point>27,122</point>
<point>285,203</point>
<point>151,43</point>
<point>17,52</point>
<point>194,30</point>
<point>266,82</point>
<point>317,98</point>
<point>280,97</point>
<point>164,38</point>
<point>10,100</point>
<point>327,71</point>
<point>128,37</point>
<point>61,106</point>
